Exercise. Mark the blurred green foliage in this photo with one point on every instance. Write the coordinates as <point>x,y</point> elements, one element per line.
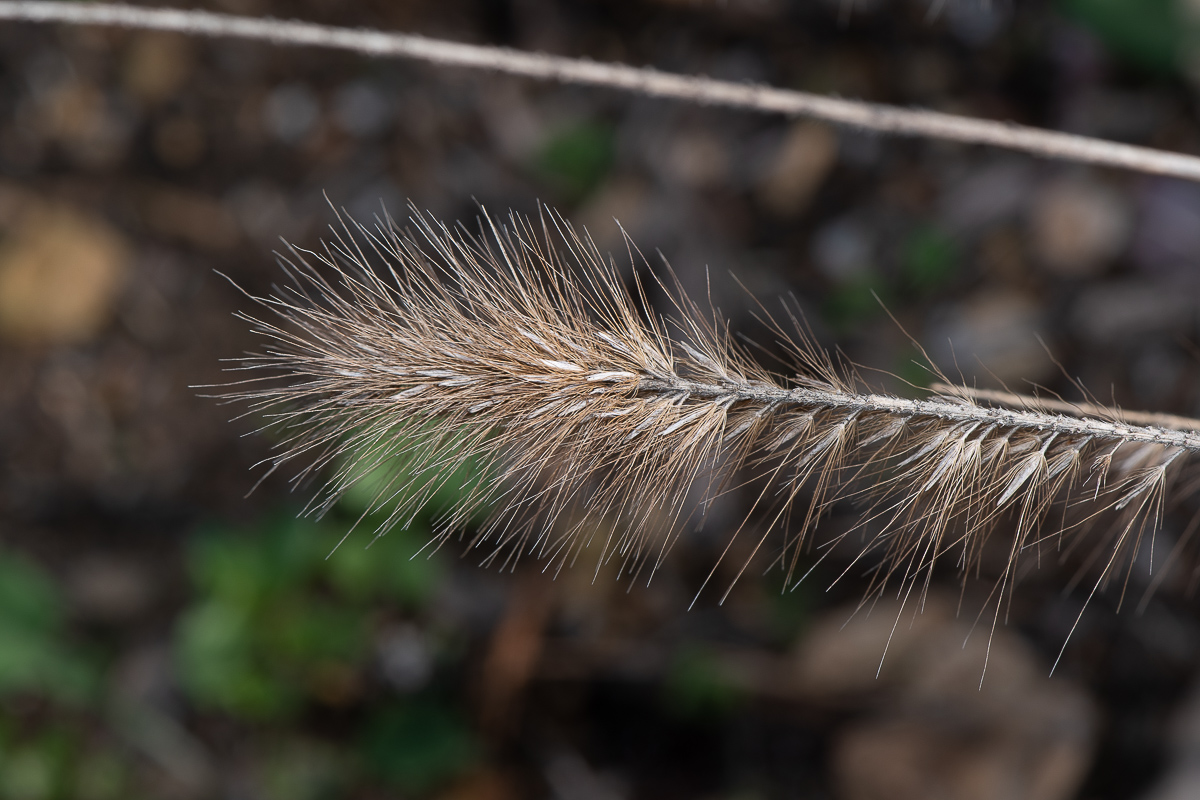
<point>929,261</point>
<point>301,769</point>
<point>1152,34</point>
<point>698,685</point>
<point>277,616</point>
<point>416,746</point>
<point>34,655</point>
<point>790,612</point>
<point>55,765</point>
<point>575,159</point>
<point>399,482</point>
<point>286,618</point>
<point>855,301</point>
<point>47,759</point>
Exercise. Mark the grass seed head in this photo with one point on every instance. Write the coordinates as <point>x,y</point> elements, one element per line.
<point>397,355</point>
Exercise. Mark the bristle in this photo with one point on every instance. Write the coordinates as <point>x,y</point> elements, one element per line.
<point>421,350</point>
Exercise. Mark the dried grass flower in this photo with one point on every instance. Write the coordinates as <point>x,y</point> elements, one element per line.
<point>411,352</point>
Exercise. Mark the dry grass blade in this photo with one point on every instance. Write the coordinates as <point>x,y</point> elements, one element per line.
<point>419,350</point>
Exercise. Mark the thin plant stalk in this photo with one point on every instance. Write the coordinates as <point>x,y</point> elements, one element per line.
<point>876,117</point>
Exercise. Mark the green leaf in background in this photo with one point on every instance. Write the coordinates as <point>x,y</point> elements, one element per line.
<point>33,655</point>
<point>100,776</point>
<point>279,620</point>
<point>418,745</point>
<point>28,597</point>
<point>697,685</point>
<point>249,644</point>
<point>1149,33</point>
<point>854,302</point>
<point>54,764</point>
<point>38,769</point>
<point>306,630</point>
<point>388,566</point>
<point>576,158</point>
<point>29,774</point>
<point>913,371</point>
<point>929,260</point>
<point>791,612</point>
<point>300,769</point>
<point>397,483</point>
<point>218,664</point>
<point>247,567</point>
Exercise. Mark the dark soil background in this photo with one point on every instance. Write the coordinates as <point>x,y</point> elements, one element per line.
<point>164,635</point>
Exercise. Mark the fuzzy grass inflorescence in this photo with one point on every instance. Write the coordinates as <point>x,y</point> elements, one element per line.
<point>409,352</point>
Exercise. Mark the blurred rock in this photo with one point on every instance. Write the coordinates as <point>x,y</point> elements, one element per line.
<point>157,64</point>
<point>148,309</point>
<point>945,728</point>
<point>623,199</point>
<point>60,272</point>
<point>264,212</point>
<point>993,335</point>
<point>514,123</point>
<point>1079,56</point>
<point>46,71</point>
<point>404,656</point>
<point>67,394</point>
<point>861,149</point>
<point>1158,372</point>
<point>109,589</point>
<point>927,74</point>
<point>372,199</point>
<point>844,250</point>
<point>1112,114</point>
<point>144,676</point>
<point>143,709</point>
<point>1167,241</point>
<point>1001,255</point>
<point>94,127</point>
<point>805,157</point>
<point>1079,227</point>
<point>976,23</point>
<point>697,159</point>
<point>1181,778</point>
<point>572,778</point>
<point>986,196</point>
<point>360,109</point>
<point>847,653</point>
<point>183,214</point>
<point>22,145</point>
<point>1044,755</point>
<point>290,112</point>
<point>846,72</point>
<point>179,141</point>
<point>1119,311</point>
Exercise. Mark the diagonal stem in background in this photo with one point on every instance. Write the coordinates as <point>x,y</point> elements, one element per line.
<point>640,80</point>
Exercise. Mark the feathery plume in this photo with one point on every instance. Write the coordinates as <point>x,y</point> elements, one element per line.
<point>417,351</point>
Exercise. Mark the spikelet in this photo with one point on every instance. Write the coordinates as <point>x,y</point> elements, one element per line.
<point>520,347</point>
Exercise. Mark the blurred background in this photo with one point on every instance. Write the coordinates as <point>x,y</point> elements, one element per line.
<point>164,635</point>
